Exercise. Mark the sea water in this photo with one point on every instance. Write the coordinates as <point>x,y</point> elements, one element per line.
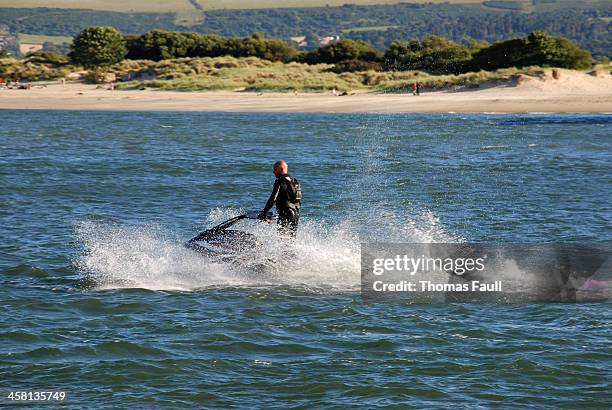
<point>101,300</point>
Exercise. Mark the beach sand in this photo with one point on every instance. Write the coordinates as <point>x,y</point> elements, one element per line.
<point>572,92</point>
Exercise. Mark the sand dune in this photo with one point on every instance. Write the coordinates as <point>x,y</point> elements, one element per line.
<point>536,92</point>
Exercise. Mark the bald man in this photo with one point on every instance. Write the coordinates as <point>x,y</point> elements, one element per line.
<point>287,195</point>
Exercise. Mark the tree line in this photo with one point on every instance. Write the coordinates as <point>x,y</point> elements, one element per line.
<point>380,25</point>
<point>587,24</point>
<point>103,46</point>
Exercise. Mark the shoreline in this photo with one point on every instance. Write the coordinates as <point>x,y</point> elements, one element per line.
<point>576,95</point>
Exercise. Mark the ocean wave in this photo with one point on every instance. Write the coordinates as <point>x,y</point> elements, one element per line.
<point>567,118</point>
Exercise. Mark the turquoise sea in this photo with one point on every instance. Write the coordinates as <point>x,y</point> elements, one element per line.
<point>100,299</point>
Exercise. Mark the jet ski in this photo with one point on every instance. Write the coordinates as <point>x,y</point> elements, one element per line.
<point>224,243</point>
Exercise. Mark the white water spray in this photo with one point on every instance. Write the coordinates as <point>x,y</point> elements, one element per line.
<point>321,258</point>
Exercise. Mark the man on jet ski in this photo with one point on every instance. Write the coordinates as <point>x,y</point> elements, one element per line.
<point>287,195</point>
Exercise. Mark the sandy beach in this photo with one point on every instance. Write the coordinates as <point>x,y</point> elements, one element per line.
<point>572,92</point>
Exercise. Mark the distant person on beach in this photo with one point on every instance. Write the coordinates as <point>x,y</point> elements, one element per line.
<point>418,88</point>
<point>287,195</point>
<point>414,88</point>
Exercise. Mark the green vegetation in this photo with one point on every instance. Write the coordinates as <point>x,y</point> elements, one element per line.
<point>56,44</point>
<point>343,50</point>
<point>47,57</point>
<point>538,48</point>
<point>69,22</point>
<point>192,61</point>
<point>182,6</point>
<point>109,5</point>
<point>254,74</point>
<point>433,54</point>
<point>188,18</point>
<point>370,28</point>
<point>178,5</point>
<point>36,67</point>
<point>230,73</point>
<point>439,55</point>
<point>97,47</point>
<point>584,22</point>
<point>351,66</point>
<point>38,39</point>
<point>160,45</point>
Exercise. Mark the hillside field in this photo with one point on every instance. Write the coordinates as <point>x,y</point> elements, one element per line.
<point>154,6</point>
<point>37,39</point>
<point>181,5</point>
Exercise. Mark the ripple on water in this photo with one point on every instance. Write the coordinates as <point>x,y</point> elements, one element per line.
<point>100,298</point>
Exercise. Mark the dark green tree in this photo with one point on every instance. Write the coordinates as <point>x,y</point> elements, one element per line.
<point>538,48</point>
<point>440,55</point>
<point>509,53</point>
<point>355,65</point>
<point>98,47</point>
<point>211,45</point>
<point>434,54</point>
<point>278,50</point>
<point>343,50</point>
<point>399,54</point>
<point>254,46</point>
<point>546,50</point>
<point>133,44</point>
<point>161,45</point>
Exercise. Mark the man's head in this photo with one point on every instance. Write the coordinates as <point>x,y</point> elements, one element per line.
<point>280,168</point>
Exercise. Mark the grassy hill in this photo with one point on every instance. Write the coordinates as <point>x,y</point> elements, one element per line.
<point>155,6</point>
<point>587,22</point>
<point>179,5</point>
<point>184,6</point>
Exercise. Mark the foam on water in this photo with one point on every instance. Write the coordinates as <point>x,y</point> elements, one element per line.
<point>321,258</point>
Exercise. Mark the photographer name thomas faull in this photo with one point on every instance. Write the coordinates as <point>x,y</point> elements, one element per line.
<point>429,286</point>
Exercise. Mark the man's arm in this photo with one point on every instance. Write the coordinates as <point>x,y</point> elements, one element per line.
<point>272,198</point>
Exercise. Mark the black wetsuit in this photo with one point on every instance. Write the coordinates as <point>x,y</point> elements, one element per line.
<point>288,212</point>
